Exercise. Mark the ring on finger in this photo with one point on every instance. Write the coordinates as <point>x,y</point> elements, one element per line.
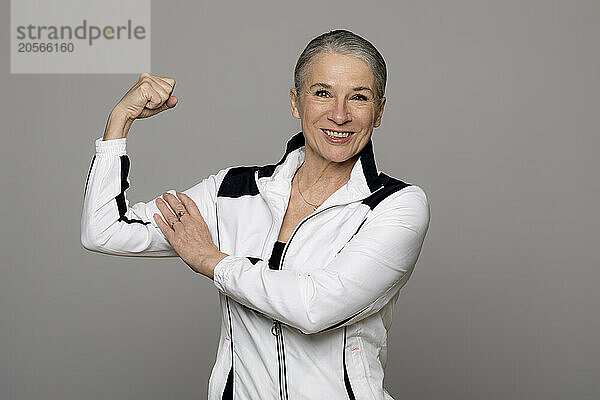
<point>180,214</point>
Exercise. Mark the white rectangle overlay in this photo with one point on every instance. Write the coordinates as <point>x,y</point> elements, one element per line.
<point>74,36</point>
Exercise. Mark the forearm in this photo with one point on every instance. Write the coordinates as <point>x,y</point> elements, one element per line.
<point>117,126</point>
<point>310,302</point>
<point>363,277</point>
<point>210,262</point>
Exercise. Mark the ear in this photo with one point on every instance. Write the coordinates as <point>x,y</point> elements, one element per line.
<point>294,101</point>
<point>379,113</point>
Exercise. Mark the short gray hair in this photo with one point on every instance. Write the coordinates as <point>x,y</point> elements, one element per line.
<point>347,43</point>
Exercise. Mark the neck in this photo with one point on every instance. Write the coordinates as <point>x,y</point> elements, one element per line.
<point>319,175</point>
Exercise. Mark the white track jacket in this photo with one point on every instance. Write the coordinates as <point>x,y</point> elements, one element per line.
<point>314,328</point>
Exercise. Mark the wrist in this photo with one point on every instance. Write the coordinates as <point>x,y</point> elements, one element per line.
<point>117,126</point>
<point>210,262</point>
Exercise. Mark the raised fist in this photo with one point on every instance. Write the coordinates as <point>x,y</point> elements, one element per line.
<point>150,95</point>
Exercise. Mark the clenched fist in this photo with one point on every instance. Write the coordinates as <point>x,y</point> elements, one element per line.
<point>150,95</point>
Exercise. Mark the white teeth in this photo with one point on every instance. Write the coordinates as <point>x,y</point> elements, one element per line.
<point>337,134</point>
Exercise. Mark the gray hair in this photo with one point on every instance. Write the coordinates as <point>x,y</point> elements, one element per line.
<point>347,43</point>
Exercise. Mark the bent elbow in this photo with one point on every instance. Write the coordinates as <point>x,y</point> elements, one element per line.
<point>308,329</point>
<point>312,326</point>
<point>88,241</point>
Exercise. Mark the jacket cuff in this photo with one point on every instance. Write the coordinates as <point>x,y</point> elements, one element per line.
<point>223,270</point>
<point>112,147</point>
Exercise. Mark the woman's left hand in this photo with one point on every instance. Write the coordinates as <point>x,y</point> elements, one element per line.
<point>189,234</point>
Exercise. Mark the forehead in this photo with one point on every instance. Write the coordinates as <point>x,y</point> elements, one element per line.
<point>339,69</point>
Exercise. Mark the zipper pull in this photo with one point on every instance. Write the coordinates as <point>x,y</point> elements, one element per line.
<point>274,329</point>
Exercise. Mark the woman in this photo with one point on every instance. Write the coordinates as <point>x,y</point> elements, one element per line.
<point>309,254</point>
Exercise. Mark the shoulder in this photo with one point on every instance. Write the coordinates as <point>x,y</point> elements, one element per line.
<point>241,180</point>
<point>412,197</point>
<point>393,190</point>
<point>207,187</point>
<point>405,203</point>
<point>238,181</point>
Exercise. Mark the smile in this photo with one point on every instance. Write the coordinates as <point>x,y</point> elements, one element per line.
<point>337,134</point>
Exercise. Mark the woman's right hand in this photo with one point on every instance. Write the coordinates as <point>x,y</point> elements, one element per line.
<point>150,95</point>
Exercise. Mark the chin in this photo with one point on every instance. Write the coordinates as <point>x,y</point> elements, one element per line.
<point>337,156</point>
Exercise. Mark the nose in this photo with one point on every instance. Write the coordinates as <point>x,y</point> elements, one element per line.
<point>340,113</point>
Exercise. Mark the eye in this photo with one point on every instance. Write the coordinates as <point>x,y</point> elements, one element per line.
<point>361,97</point>
<point>322,93</point>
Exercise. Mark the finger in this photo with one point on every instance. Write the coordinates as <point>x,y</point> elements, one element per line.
<point>174,203</point>
<point>164,228</point>
<point>154,81</point>
<point>177,226</point>
<point>151,95</point>
<point>189,204</point>
<point>177,208</point>
<point>170,103</point>
<point>163,92</point>
<point>169,81</point>
<point>162,84</point>
<point>166,212</point>
<point>142,76</point>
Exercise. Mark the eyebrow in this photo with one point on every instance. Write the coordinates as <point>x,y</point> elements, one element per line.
<point>359,88</point>
<point>326,86</point>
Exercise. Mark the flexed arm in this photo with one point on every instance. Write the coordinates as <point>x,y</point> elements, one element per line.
<point>108,224</point>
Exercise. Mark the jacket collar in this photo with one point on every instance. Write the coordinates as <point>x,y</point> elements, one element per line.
<point>275,180</point>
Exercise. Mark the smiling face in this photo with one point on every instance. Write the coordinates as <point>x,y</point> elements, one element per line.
<point>337,106</point>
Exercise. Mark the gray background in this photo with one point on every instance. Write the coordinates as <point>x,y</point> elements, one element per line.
<point>493,108</point>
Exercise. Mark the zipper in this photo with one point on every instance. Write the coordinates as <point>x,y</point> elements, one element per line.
<point>276,331</point>
<point>269,233</point>
<point>276,328</point>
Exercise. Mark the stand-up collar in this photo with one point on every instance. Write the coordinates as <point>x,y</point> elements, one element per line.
<point>276,178</point>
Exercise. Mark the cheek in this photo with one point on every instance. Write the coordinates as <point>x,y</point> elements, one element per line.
<point>365,116</point>
<point>315,111</point>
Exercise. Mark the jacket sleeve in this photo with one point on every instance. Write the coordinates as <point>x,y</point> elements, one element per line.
<point>110,225</point>
<point>362,278</point>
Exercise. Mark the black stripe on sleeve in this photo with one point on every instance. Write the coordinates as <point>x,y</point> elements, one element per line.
<point>390,186</point>
<point>253,260</point>
<point>349,390</point>
<point>120,198</point>
<point>88,176</point>
<point>239,181</point>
